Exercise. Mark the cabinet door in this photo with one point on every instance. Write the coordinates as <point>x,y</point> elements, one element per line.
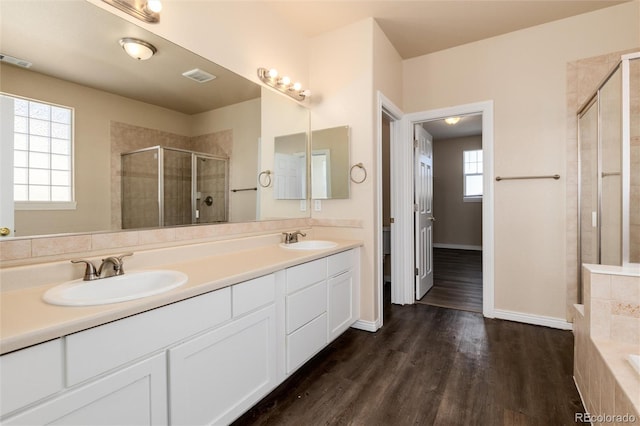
<point>135,395</point>
<point>341,304</point>
<point>216,377</point>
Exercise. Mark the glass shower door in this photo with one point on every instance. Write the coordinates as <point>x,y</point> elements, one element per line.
<point>140,180</point>
<point>610,96</point>
<point>589,216</point>
<point>211,189</point>
<point>177,187</point>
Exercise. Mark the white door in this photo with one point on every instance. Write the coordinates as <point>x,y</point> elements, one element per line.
<point>423,201</point>
<point>6,166</point>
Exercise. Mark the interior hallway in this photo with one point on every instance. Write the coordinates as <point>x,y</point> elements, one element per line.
<point>457,280</point>
<point>431,366</point>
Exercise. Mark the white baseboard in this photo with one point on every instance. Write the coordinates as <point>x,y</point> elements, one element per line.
<point>533,319</point>
<point>457,246</point>
<point>371,326</point>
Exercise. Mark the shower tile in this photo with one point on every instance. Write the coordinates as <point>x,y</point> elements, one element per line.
<point>625,329</point>
<point>601,286</point>
<point>625,289</point>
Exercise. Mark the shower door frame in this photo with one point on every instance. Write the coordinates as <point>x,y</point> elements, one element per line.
<point>194,184</point>
<point>623,65</point>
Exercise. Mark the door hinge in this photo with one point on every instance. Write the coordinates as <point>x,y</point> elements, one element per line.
<point>417,272</point>
<point>392,220</point>
<point>416,207</point>
<point>415,143</point>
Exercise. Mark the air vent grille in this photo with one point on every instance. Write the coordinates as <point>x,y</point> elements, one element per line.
<point>15,61</point>
<point>198,75</point>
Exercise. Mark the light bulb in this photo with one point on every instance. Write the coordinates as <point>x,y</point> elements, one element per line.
<point>285,81</point>
<point>451,120</point>
<point>297,85</point>
<point>273,73</point>
<point>154,6</point>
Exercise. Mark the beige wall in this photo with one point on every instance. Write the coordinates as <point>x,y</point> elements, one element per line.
<point>458,223</point>
<point>94,110</point>
<point>243,119</point>
<point>524,72</point>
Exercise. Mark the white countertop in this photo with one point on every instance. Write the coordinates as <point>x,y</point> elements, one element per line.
<point>25,319</point>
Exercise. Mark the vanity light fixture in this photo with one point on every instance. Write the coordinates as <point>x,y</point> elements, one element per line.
<point>145,10</point>
<point>138,49</point>
<point>451,120</point>
<point>283,84</point>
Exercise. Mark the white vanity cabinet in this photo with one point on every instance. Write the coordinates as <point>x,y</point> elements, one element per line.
<point>322,301</point>
<point>343,288</point>
<point>134,395</point>
<point>218,375</point>
<point>203,360</point>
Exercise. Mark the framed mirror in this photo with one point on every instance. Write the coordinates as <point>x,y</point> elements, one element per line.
<point>290,167</point>
<point>176,101</point>
<point>330,163</point>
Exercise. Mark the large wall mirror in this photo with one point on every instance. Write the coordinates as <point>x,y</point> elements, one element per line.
<point>150,146</point>
<point>330,163</point>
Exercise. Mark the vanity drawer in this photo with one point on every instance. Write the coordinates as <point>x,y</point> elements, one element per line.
<point>301,276</point>
<point>340,262</point>
<point>306,342</point>
<point>252,294</point>
<point>305,305</point>
<point>30,374</point>
<point>102,348</point>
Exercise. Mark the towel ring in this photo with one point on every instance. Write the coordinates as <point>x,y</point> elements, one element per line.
<point>266,173</point>
<point>360,166</point>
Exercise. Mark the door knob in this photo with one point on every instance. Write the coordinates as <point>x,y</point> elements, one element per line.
<point>432,219</point>
<point>4,231</point>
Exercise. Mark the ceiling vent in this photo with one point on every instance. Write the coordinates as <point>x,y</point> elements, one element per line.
<point>15,61</point>
<point>198,75</point>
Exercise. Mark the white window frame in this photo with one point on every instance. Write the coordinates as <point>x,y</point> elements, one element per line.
<point>52,205</point>
<point>470,198</point>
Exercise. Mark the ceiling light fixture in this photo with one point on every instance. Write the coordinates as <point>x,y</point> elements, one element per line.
<point>138,49</point>
<point>452,120</point>
<point>145,10</point>
<point>283,84</point>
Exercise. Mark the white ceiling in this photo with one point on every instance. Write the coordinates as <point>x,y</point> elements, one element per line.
<point>418,27</point>
<point>74,40</point>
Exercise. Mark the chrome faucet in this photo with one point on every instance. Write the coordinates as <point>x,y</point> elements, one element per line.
<point>292,237</point>
<point>91,273</point>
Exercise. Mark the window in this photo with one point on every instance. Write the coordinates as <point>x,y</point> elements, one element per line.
<point>42,161</point>
<point>472,175</point>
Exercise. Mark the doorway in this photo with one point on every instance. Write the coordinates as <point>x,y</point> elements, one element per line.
<point>457,206</point>
<point>402,191</point>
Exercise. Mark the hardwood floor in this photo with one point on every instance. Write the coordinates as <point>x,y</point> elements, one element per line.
<point>457,280</point>
<point>431,366</point>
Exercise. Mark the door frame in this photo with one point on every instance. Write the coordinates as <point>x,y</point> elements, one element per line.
<point>403,280</point>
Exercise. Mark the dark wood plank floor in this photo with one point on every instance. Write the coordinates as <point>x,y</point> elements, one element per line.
<point>431,366</point>
<point>457,280</point>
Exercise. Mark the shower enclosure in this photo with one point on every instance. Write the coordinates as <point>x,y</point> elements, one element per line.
<point>609,170</point>
<point>168,186</point>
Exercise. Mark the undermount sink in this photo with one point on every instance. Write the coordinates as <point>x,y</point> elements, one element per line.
<point>309,245</point>
<point>130,286</point>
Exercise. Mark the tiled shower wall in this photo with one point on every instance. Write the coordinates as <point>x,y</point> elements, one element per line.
<point>126,138</point>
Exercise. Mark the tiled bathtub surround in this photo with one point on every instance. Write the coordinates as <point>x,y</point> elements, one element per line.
<point>607,330</point>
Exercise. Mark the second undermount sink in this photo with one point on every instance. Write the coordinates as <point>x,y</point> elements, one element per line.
<point>309,245</point>
<point>130,286</point>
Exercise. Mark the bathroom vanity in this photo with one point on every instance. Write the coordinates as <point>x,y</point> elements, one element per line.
<point>205,355</point>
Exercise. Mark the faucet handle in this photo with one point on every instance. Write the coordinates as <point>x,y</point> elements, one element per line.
<point>120,269</point>
<point>123,255</point>
<point>90,272</point>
